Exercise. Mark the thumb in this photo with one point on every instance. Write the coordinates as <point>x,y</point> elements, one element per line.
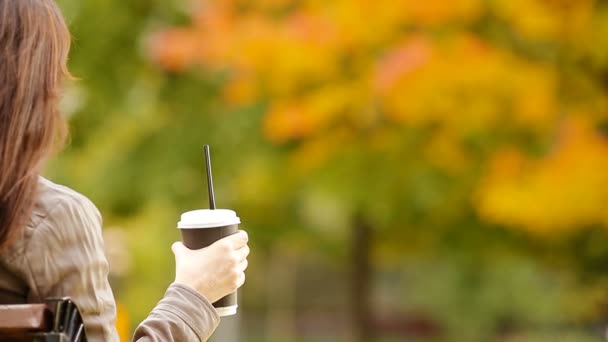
<point>178,248</point>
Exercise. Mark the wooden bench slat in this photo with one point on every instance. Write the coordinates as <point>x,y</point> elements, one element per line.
<point>28,317</point>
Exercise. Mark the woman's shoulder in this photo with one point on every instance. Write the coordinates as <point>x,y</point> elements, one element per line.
<point>59,216</point>
<point>57,203</point>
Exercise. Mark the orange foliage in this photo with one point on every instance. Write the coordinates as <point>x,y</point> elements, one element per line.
<point>470,86</point>
<point>175,49</point>
<point>564,190</point>
<point>440,11</point>
<point>122,322</point>
<point>546,19</point>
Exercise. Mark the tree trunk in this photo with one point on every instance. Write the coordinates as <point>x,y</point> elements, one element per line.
<point>361,280</point>
<point>281,295</point>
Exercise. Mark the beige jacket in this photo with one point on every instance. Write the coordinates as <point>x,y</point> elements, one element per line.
<point>60,253</point>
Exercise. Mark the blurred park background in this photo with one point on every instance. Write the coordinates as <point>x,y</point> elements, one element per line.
<point>407,170</point>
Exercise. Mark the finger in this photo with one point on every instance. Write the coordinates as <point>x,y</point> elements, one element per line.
<point>243,265</point>
<point>246,235</point>
<point>241,280</point>
<point>237,240</point>
<point>242,253</point>
<point>178,248</point>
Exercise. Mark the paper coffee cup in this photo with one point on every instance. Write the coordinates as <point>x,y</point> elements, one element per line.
<point>201,228</point>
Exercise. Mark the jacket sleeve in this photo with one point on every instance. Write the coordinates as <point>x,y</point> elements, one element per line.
<point>182,315</point>
<point>67,259</point>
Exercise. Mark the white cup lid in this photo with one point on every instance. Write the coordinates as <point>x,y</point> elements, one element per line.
<point>208,218</point>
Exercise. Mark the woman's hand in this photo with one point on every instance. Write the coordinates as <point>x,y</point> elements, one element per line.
<point>214,271</point>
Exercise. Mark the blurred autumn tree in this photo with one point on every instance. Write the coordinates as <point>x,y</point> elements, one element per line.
<point>410,113</point>
<point>513,89</point>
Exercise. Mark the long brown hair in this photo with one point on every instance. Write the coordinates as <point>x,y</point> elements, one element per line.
<point>34,45</point>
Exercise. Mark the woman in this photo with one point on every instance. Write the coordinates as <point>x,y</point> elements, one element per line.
<point>50,236</point>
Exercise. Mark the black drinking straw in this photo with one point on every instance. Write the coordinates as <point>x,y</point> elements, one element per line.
<point>209,178</point>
